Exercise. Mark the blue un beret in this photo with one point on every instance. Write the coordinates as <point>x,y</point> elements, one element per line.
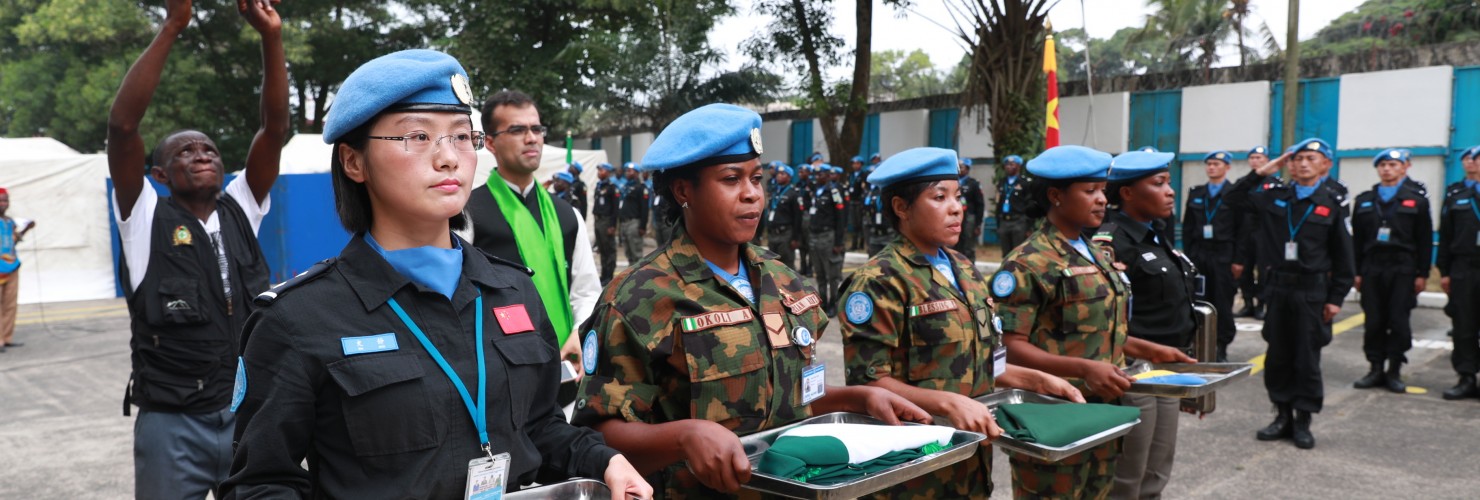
<point>1391,154</point>
<point>1013,159</point>
<point>1470,153</point>
<point>1133,165</point>
<point>782,167</point>
<point>409,80</point>
<point>918,164</point>
<point>710,135</point>
<point>604,166</point>
<point>628,166</point>
<point>1222,156</point>
<point>1071,163</point>
<point>857,159</point>
<point>565,176</point>
<point>1259,150</point>
<point>837,170</point>
<point>966,161</point>
<point>874,156</point>
<point>814,157</point>
<point>1312,144</point>
<point>1148,149</point>
<point>578,167</point>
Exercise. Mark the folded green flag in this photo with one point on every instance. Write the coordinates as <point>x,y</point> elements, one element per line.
<point>834,453</point>
<point>1060,424</point>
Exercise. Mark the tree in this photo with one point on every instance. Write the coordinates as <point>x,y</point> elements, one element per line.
<point>1377,25</point>
<point>896,75</point>
<point>1005,40</point>
<point>799,35</point>
<point>1193,29</point>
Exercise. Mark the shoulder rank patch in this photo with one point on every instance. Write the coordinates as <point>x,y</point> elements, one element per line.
<point>1365,204</point>
<point>929,308</point>
<point>706,321</point>
<point>266,298</point>
<point>799,306</point>
<point>1003,284</point>
<point>859,308</point>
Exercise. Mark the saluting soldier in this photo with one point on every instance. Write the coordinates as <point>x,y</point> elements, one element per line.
<point>825,233</point>
<point>917,320</point>
<point>381,368</point>
<point>974,202</point>
<point>1210,230</point>
<point>1301,234</point>
<point>1392,237</point>
<point>1012,199</point>
<point>604,210</point>
<point>632,212</point>
<point>1459,271</point>
<point>784,219</point>
<point>1161,282</point>
<point>709,338</point>
<point>1064,310</point>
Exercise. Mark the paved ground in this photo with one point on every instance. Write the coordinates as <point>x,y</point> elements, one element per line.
<point>62,434</point>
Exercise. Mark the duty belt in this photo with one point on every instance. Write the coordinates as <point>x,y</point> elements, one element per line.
<point>1009,217</point>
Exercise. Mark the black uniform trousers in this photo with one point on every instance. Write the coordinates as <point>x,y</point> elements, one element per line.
<point>1296,333</point>
<point>1387,301</point>
<point>1218,287</point>
<point>606,246</point>
<point>1464,294</point>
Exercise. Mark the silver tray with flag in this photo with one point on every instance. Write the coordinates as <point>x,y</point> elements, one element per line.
<point>1217,375</point>
<point>963,445</point>
<point>1041,451</point>
<point>576,489</point>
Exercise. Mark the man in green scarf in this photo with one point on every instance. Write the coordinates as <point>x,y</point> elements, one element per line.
<point>514,219</point>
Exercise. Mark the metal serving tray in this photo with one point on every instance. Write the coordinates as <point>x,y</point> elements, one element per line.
<point>1040,451</point>
<point>1217,375</point>
<point>576,489</point>
<point>963,445</point>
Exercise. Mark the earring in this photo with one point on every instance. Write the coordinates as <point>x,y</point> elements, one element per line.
<point>1057,203</point>
<point>685,205</point>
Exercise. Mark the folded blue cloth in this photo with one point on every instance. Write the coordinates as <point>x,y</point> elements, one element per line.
<point>1178,379</point>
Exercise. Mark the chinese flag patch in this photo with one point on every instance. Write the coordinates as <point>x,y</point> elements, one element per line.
<point>513,319</point>
<point>1322,211</point>
<point>1410,203</point>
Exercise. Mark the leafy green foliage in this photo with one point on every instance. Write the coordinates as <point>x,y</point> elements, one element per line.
<point>896,75</point>
<point>1383,24</point>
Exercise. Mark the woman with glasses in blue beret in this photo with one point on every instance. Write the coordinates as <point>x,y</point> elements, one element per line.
<point>412,365</point>
<point>709,337</point>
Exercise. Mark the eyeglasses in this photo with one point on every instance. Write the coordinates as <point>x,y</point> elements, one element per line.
<point>539,130</point>
<point>421,142</point>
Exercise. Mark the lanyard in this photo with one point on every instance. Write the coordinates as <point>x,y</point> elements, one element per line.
<point>477,411</point>
<point>776,200</point>
<point>1214,212</point>
<point>1295,227</point>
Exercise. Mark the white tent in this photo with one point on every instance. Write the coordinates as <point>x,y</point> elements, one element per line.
<point>68,256</point>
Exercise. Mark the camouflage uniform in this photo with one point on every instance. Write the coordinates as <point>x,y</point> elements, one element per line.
<point>1067,306</point>
<point>923,331</point>
<point>672,342</point>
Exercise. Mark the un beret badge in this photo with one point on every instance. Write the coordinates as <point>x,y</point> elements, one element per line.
<point>461,88</point>
<point>755,140</point>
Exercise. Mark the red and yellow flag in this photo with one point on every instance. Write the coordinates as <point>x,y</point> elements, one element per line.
<point>1051,69</point>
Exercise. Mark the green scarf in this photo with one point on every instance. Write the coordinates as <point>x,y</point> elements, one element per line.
<point>543,250</point>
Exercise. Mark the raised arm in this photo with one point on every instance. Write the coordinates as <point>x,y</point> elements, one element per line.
<point>126,148</point>
<point>265,156</point>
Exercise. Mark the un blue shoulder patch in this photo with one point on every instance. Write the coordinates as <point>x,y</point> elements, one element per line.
<point>239,392</point>
<point>859,308</point>
<point>1003,284</point>
<point>588,352</point>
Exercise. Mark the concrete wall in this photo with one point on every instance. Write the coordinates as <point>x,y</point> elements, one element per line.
<point>775,139</point>
<point>1408,107</point>
<point>613,147</point>
<point>901,130</point>
<point>974,144</point>
<point>1111,121</point>
<point>1360,176</point>
<point>640,143</point>
<point>1233,117</point>
<point>1195,173</point>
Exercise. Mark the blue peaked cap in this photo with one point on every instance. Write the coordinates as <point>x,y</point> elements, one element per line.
<point>1071,162</point>
<point>1391,154</point>
<point>1133,165</point>
<point>409,80</point>
<point>1222,156</point>
<point>1312,144</point>
<point>917,164</point>
<point>710,135</point>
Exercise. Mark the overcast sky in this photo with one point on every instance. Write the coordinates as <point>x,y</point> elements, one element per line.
<point>917,28</point>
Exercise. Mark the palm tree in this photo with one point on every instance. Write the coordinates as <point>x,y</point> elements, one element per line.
<point>1193,29</point>
<point>1237,12</point>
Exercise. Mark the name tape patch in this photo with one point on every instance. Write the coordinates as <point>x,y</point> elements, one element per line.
<point>929,308</point>
<point>368,344</point>
<point>706,321</point>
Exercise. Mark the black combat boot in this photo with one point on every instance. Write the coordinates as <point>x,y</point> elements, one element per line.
<point>1395,377</point>
<point>1259,311</point>
<point>1302,436</point>
<point>1372,379</point>
<point>1280,428</point>
<point>1247,311</point>
<point>1222,354</point>
<point>1464,389</point>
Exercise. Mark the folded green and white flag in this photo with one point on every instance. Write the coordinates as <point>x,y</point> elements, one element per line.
<point>834,453</point>
<point>1061,424</point>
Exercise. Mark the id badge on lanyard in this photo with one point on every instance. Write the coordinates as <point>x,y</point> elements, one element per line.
<point>1207,231</point>
<point>1292,251</point>
<point>814,383</point>
<point>1384,234</point>
<point>487,477</point>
